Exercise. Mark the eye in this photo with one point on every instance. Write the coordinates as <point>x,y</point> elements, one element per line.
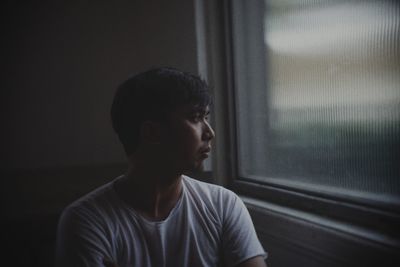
<point>196,117</point>
<point>199,116</point>
<point>207,116</point>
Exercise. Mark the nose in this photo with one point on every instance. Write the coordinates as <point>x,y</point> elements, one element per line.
<point>208,132</point>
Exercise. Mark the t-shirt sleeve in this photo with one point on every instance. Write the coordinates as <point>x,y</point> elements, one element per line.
<point>80,240</point>
<point>239,238</point>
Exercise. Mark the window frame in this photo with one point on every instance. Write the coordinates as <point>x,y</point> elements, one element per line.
<point>378,221</point>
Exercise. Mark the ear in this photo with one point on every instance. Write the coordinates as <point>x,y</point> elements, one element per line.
<point>150,132</point>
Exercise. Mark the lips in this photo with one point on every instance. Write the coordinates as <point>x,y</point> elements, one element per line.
<point>205,150</point>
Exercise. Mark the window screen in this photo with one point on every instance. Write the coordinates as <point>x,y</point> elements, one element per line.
<point>317,95</point>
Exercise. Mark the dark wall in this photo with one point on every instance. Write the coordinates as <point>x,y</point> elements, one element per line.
<point>61,62</point>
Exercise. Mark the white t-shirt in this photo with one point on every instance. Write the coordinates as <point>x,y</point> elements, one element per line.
<point>209,226</point>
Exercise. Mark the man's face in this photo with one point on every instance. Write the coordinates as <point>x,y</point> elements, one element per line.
<point>188,137</point>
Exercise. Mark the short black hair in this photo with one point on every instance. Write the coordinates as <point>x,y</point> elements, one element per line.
<point>153,95</point>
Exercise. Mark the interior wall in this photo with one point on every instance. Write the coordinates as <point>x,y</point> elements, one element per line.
<point>62,63</point>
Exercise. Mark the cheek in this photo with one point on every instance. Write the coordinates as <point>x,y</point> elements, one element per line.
<point>191,137</point>
<point>184,137</point>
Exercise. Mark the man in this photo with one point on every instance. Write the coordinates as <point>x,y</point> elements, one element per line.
<point>153,215</point>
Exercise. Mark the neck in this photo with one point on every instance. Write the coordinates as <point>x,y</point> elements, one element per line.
<point>152,192</point>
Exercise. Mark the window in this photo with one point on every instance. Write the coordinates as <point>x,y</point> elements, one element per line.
<point>317,97</point>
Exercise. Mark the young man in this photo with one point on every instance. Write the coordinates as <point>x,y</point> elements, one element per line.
<point>153,215</point>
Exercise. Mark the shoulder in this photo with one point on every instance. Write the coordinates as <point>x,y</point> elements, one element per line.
<point>86,230</point>
<point>94,204</point>
<point>207,190</point>
<point>216,196</point>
